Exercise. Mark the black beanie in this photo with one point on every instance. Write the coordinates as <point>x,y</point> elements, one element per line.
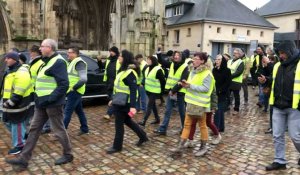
<point>170,53</point>
<point>23,57</point>
<point>115,50</point>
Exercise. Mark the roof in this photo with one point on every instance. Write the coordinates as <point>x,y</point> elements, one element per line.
<point>285,36</point>
<point>276,7</point>
<point>227,11</point>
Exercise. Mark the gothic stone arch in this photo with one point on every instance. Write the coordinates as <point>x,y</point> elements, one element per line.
<point>85,24</point>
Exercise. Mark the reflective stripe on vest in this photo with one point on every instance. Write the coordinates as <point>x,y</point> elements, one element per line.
<point>233,68</point>
<point>199,98</point>
<point>73,75</point>
<point>141,77</point>
<point>34,70</point>
<point>296,90</point>
<point>173,78</point>
<point>18,83</point>
<point>120,86</point>
<point>45,85</point>
<point>151,83</point>
<point>118,65</point>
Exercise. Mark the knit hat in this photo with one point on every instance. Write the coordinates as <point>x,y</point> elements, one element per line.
<point>23,57</point>
<point>115,50</point>
<point>170,53</point>
<point>13,55</point>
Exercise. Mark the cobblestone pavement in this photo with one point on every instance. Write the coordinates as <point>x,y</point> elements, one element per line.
<point>245,148</point>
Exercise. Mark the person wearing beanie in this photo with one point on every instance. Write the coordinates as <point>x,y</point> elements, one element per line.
<point>112,66</point>
<point>23,58</point>
<point>17,99</point>
<point>285,98</point>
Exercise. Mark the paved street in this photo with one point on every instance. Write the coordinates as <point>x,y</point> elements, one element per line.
<point>245,149</point>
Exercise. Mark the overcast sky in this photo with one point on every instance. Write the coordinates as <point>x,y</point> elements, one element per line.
<point>253,4</point>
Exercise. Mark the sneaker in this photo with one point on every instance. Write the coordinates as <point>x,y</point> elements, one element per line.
<point>15,150</point>
<point>142,123</point>
<point>158,132</point>
<point>155,122</point>
<point>269,131</point>
<point>107,117</point>
<point>275,166</point>
<point>235,113</point>
<point>189,144</point>
<point>216,140</point>
<point>202,151</point>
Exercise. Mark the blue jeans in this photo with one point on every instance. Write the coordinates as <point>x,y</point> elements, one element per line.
<point>219,116</point>
<point>282,118</point>
<point>169,106</point>
<point>142,100</point>
<point>17,133</point>
<point>74,103</point>
<point>261,95</point>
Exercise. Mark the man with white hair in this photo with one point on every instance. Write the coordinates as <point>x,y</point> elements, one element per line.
<point>236,66</point>
<point>51,86</point>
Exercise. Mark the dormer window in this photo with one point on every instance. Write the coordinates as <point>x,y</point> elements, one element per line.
<point>177,10</point>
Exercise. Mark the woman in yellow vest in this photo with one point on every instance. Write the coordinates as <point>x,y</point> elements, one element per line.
<point>199,88</point>
<point>126,83</point>
<point>17,100</point>
<point>154,85</point>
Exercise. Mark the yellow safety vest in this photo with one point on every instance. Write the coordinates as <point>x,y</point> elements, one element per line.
<point>45,85</point>
<point>141,77</point>
<point>34,70</point>
<point>199,98</point>
<point>296,90</point>
<point>19,83</point>
<point>151,83</point>
<point>120,86</point>
<point>73,75</point>
<point>118,65</point>
<point>173,78</point>
<point>233,68</point>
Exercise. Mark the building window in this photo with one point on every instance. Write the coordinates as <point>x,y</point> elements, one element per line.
<point>297,24</point>
<point>262,33</point>
<point>177,10</point>
<point>169,12</point>
<point>233,31</point>
<point>177,35</point>
<point>248,32</point>
<point>219,30</point>
<point>189,33</point>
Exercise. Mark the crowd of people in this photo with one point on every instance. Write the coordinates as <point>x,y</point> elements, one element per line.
<point>200,87</point>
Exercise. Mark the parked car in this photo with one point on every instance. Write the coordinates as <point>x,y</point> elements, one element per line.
<point>95,87</point>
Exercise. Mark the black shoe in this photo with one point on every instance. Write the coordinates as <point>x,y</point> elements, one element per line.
<point>143,123</point>
<point>158,132</point>
<point>141,142</point>
<point>82,133</point>
<point>17,161</point>
<point>26,136</point>
<point>16,150</point>
<point>45,131</point>
<point>269,131</point>
<point>155,122</point>
<point>275,166</point>
<point>112,150</point>
<point>64,159</point>
<point>259,105</point>
<point>299,162</point>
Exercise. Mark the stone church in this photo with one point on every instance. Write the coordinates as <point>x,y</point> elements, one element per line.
<point>135,25</point>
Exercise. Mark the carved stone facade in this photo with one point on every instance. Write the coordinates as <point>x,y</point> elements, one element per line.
<point>89,24</point>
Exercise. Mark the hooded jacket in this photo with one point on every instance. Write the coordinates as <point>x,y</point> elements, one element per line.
<point>285,77</point>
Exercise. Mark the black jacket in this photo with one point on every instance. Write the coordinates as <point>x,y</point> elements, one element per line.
<point>223,80</point>
<point>284,80</point>
<point>111,74</point>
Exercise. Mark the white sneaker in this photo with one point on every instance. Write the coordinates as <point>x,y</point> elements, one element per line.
<point>216,140</point>
<point>202,151</point>
<point>189,144</point>
<point>106,117</point>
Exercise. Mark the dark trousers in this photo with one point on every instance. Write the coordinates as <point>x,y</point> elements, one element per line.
<point>41,115</point>
<point>236,94</point>
<point>151,107</point>
<point>74,103</point>
<point>121,117</point>
<point>219,116</point>
<point>245,89</point>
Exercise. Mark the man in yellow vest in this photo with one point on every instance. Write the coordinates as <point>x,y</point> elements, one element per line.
<point>77,73</point>
<point>285,98</point>
<point>259,69</point>
<point>112,66</point>
<point>51,86</point>
<point>236,66</point>
<point>142,99</point>
<point>16,92</point>
<point>178,72</point>
<point>247,63</point>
